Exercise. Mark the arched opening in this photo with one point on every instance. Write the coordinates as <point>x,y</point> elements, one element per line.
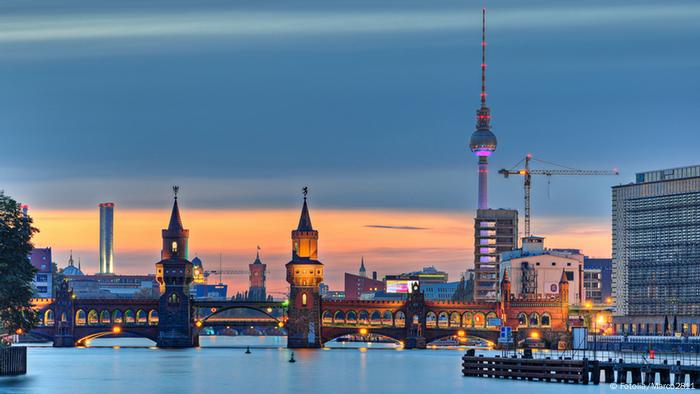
<point>93,318</point>
<point>430,320</point>
<point>400,319</point>
<point>489,317</point>
<point>80,318</point>
<point>479,320</point>
<point>454,319</point>
<point>117,317</point>
<point>153,317</point>
<point>352,317</point>
<point>64,317</point>
<point>339,317</point>
<point>443,320</point>
<point>303,299</point>
<point>105,317</point>
<point>522,319</point>
<point>467,320</point>
<point>546,320</point>
<point>416,320</point>
<point>363,318</point>
<point>534,320</point>
<point>173,299</point>
<point>48,317</point>
<point>141,317</point>
<point>129,317</point>
<point>387,319</point>
<point>375,318</point>
<point>327,318</point>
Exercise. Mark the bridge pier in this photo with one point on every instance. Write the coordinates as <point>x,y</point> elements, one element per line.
<point>414,342</point>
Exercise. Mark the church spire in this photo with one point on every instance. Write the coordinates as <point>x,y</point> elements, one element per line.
<point>305,218</point>
<point>363,271</point>
<point>70,259</point>
<point>175,220</point>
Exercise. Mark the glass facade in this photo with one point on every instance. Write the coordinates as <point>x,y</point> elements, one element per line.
<point>656,243</point>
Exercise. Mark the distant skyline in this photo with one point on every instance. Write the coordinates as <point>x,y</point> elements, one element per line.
<point>370,103</point>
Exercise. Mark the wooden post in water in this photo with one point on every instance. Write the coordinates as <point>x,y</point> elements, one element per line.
<point>13,361</point>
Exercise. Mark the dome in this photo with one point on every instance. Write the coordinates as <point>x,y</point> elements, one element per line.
<point>483,142</point>
<point>72,270</point>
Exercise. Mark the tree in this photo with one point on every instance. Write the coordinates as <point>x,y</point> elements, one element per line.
<point>16,271</point>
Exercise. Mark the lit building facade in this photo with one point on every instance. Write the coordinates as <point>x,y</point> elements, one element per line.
<point>43,279</point>
<point>536,272</point>
<point>356,285</point>
<point>656,251</point>
<point>495,232</point>
<point>597,280</point>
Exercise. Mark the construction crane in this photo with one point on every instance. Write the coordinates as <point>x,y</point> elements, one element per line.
<point>528,172</point>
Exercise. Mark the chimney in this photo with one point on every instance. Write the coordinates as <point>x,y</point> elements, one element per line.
<point>374,275</point>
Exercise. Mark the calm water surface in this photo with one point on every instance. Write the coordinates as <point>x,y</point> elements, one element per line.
<point>218,367</point>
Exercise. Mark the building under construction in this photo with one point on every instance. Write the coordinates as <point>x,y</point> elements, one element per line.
<point>656,252</point>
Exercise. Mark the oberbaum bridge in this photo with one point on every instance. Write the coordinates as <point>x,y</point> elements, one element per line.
<point>175,320</point>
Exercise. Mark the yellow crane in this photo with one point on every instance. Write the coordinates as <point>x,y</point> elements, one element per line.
<point>528,172</point>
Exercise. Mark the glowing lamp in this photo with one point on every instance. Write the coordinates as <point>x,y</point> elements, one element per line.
<point>198,323</point>
<point>535,335</point>
<point>280,324</point>
<point>213,310</point>
<point>522,172</point>
<point>19,331</point>
<point>363,331</point>
<point>608,300</point>
<point>589,304</point>
<point>285,303</point>
<point>116,329</point>
<point>461,333</point>
<point>269,310</point>
<point>601,319</point>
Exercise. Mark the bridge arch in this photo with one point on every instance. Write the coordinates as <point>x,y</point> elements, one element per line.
<point>375,319</point>
<point>546,320</point>
<point>454,320</point>
<point>363,318</point>
<point>327,317</point>
<point>534,319</point>
<point>387,319</point>
<point>105,317</point>
<point>351,317</point>
<point>117,317</point>
<point>129,317</point>
<point>153,317</point>
<point>489,316</point>
<point>141,317</point>
<point>443,320</point>
<point>522,319</point>
<point>339,317</point>
<point>93,318</point>
<point>109,333</point>
<point>467,320</point>
<point>80,317</point>
<point>217,311</point>
<point>400,319</point>
<point>430,320</point>
<point>64,317</point>
<point>48,317</point>
<point>479,320</point>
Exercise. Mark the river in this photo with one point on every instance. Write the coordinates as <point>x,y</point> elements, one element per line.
<point>132,366</point>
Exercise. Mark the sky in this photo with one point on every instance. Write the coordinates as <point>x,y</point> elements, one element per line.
<point>369,103</point>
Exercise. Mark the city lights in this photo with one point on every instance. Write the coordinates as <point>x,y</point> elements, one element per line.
<point>116,329</point>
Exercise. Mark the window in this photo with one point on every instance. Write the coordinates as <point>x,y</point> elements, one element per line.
<point>303,299</point>
<point>173,247</point>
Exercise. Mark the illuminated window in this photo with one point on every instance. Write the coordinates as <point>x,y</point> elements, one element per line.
<point>173,247</point>
<point>303,299</point>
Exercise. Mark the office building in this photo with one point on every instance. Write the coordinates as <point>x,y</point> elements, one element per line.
<point>656,250</point>
<point>43,279</point>
<point>597,280</point>
<point>495,232</point>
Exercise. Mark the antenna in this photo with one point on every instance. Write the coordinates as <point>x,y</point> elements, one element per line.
<point>176,189</point>
<point>483,57</point>
<point>220,273</point>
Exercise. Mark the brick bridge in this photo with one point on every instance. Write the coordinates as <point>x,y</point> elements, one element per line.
<point>175,319</point>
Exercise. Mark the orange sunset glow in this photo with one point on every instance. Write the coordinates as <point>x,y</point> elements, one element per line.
<point>391,241</point>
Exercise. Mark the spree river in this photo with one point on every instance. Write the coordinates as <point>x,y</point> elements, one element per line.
<point>131,366</point>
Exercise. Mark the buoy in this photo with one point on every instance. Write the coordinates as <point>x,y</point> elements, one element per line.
<point>291,359</point>
<point>247,350</point>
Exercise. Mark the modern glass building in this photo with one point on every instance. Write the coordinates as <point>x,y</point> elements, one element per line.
<point>656,249</point>
<point>107,238</point>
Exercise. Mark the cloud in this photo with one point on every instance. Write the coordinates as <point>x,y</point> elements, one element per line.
<point>396,227</point>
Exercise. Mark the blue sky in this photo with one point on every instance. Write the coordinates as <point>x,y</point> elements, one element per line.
<point>371,103</point>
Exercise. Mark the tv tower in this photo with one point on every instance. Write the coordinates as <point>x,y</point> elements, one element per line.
<point>483,141</point>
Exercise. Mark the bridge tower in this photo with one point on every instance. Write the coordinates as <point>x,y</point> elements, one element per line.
<point>64,315</point>
<point>415,315</point>
<point>505,295</point>
<point>304,273</point>
<point>174,273</point>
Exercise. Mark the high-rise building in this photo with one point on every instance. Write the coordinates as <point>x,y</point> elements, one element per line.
<point>656,249</point>
<point>495,232</point>
<point>107,238</point>
<point>597,280</point>
<point>43,279</point>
